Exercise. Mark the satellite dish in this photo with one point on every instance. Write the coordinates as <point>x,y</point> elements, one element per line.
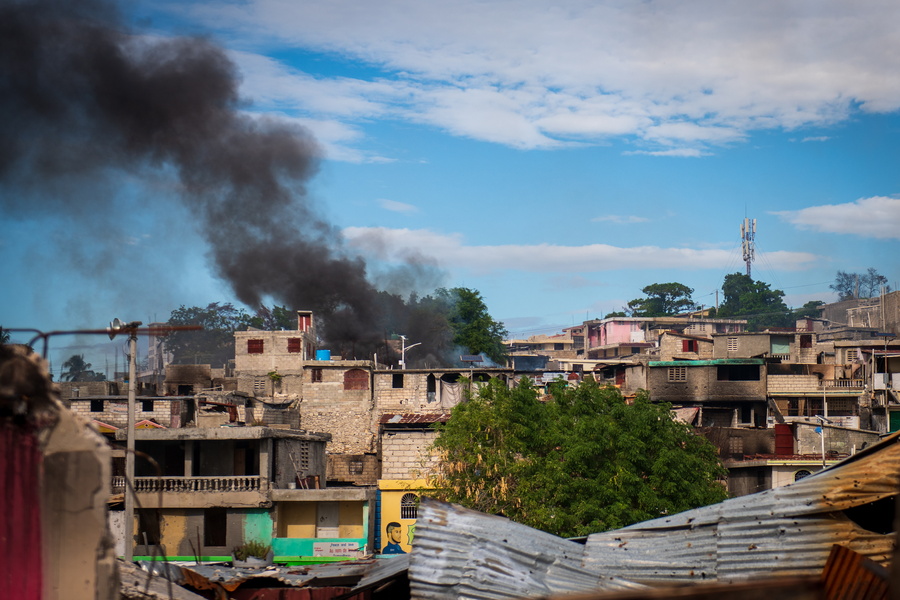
<point>114,328</point>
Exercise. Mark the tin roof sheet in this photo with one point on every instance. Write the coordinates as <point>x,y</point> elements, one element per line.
<point>414,418</point>
<point>460,553</point>
<point>784,531</point>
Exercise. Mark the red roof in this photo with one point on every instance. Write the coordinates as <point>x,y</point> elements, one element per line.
<point>414,418</point>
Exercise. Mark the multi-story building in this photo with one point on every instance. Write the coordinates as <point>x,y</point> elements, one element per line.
<point>207,490</point>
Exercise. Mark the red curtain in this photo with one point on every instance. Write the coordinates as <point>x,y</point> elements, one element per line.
<point>21,575</point>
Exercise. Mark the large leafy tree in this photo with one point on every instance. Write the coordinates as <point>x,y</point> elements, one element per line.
<point>581,461</point>
<point>755,301</point>
<point>663,300</point>
<point>472,325</point>
<point>859,285</point>
<point>214,343</point>
<point>77,369</point>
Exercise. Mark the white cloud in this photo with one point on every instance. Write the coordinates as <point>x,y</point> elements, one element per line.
<point>529,74</point>
<point>620,219</point>
<point>677,152</point>
<point>450,251</point>
<point>875,217</point>
<point>816,138</point>
<point>394,206</point>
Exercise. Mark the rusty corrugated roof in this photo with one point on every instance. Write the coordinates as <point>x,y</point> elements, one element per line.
<point>784,531</point>
<point>414,418</point>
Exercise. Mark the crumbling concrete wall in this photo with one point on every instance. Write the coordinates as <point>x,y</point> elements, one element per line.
<point>79,555</point>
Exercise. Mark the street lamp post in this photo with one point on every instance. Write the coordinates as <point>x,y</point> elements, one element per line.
<point>403,349</point>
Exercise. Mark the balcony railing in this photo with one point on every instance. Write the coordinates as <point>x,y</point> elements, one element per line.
<point>238,483</point>
<point>848,384</point>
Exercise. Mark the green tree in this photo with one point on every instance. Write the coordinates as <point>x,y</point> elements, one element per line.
<point>4,336</point>
<point>810,309</point>
<point>663,300</point>
<point>755,301</point>
<point>277,318</point>
<point>859,285</point>
<point>581,461</point>
<point>473,327</point>
<point>214,344</point>
<point>76,369</point>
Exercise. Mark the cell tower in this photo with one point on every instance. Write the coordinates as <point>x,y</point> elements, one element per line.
<point>748,233</point>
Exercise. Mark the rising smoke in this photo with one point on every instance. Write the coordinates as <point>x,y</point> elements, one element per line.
<point>82,96</point>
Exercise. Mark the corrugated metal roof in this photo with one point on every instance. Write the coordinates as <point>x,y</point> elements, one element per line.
<point>414,418</point>
<point>345,573</point>
<point>460,553</point>
<point>784,531</point>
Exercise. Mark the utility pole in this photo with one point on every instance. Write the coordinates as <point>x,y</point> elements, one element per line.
<point>748,234</point>
<point>114,328</point>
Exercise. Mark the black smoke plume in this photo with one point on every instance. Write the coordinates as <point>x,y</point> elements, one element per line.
<point>81,97</point>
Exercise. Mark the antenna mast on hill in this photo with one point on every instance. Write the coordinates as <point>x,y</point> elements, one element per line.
<point>748,233</point>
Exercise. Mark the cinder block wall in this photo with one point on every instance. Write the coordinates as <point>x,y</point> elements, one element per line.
<point>405,455</point>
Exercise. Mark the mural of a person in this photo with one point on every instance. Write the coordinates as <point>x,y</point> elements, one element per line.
<point>394,532</point>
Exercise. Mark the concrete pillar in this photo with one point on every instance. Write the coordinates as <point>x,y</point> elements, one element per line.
<point>266,470</point>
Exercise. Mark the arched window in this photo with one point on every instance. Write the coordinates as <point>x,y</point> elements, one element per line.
<point>801,474</point>
<point>409,506</point>
<point>356,379</point>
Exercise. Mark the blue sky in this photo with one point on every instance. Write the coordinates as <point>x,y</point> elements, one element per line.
<point>556,158</point>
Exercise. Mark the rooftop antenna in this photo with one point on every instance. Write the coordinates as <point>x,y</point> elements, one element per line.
<point>748,233</point>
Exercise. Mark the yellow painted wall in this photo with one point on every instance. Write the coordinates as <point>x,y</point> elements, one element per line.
<point>173,529</point>
<point>392,492</point>
<point>350,520</point>
<point>297,519</point>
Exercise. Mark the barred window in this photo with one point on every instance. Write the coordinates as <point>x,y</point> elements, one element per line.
<point>254,346</point>
<point>409,506</point>
<point>315,375</point>
<point>677,373</point>
<point>295,345</point>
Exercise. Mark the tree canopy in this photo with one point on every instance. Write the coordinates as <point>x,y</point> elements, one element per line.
<point>472,325</point>
<point>214,344</point>
<point>663,300</point>
<point>755,301</point>
<point>579,462</point>
<point>76,369</point>
<point>859,285</point>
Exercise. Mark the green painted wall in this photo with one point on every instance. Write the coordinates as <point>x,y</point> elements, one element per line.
<point>258,525</point>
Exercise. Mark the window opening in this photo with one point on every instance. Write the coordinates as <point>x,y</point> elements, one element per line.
<point>147,405</point>
<point>96,405</point>
<point>409,506</point>
<point>356,379</point>
<point>801,474</point>
<point>315,375</point>
<point>677,373</point>
<point>215,523</point>
<point>397,380</point>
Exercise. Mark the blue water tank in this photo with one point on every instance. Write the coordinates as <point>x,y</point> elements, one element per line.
<point>323,354</point>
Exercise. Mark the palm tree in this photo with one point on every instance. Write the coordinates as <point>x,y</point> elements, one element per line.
<point>75,369</point>
<point>4,336</point>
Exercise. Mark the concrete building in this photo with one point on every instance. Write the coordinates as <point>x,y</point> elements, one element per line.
<point>210,489</point>
<point>621,336</point>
